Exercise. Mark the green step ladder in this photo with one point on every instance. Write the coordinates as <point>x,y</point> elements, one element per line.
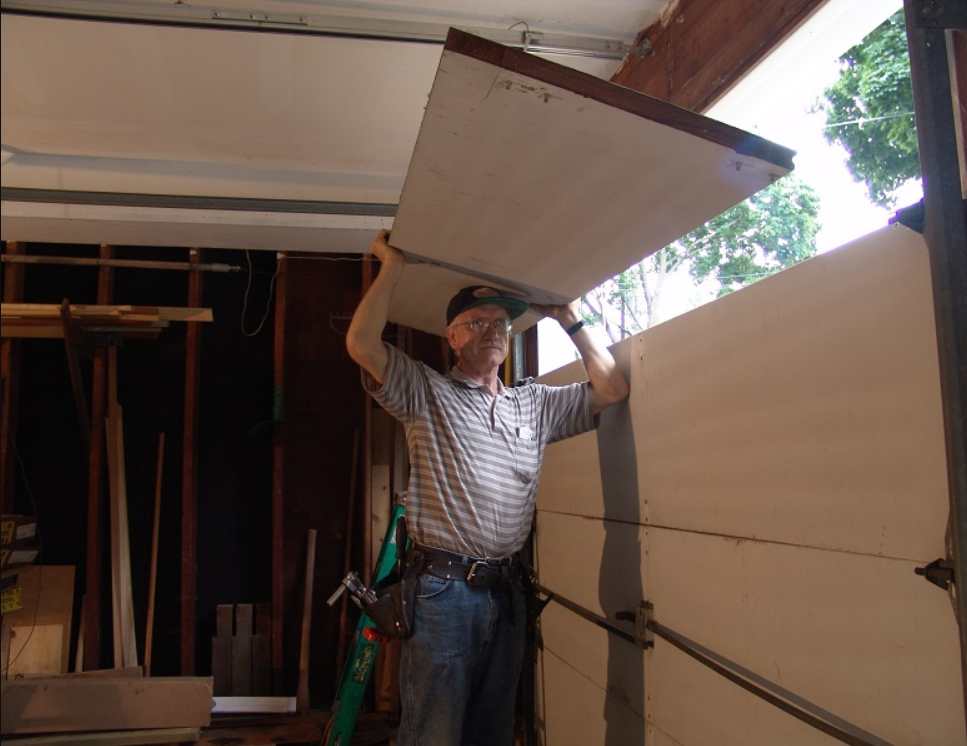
<point>366,641</point>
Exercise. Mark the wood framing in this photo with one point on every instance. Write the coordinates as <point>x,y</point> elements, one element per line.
<point>189,484</point>
<point>10,369</point>
<point>97,461</point>
<point>701,48</point>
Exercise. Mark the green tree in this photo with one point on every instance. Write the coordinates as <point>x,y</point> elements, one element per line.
<point>773,229</point>
<point>869,111</point>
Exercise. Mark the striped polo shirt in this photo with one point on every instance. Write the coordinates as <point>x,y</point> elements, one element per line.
<point>475,458</point>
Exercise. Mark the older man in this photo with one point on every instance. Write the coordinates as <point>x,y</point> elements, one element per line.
<point>475,450</point>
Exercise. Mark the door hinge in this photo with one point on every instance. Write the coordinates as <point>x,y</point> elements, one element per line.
<point>940,572</point>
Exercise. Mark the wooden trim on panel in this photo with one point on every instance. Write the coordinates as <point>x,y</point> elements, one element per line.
<point>704,47</point>
<point>626,99</point>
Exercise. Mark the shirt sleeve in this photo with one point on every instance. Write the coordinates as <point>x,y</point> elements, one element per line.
<point>568,411</point>
<point>403,393</point>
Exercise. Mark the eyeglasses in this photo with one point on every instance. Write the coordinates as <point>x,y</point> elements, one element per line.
<point>502,327</point>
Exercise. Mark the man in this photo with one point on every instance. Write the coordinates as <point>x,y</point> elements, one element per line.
<point>475,451</point>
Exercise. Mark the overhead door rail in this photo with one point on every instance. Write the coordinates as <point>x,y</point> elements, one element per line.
<point>646,628</point>
<point>521,36</point>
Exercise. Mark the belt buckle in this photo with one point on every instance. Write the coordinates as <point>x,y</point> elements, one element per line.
<point>472,574</point>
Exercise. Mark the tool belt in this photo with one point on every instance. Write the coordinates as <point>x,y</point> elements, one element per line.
<point>480,572</point>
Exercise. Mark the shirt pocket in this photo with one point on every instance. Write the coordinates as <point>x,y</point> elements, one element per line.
<point>527,453</point>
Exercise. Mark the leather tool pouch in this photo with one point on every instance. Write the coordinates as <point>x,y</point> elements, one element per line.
<point>392,611</point>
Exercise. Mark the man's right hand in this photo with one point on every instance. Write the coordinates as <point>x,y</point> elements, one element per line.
<point>383,251</point>
<point>364,339</point>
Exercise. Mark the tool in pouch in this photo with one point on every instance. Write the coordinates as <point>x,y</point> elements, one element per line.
<point>386,603</point>
<point>383,617</point>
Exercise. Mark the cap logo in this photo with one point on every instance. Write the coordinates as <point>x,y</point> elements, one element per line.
<point>485,292</point>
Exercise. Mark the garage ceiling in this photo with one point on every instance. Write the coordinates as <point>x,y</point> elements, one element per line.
<point>192,126</point>
<point>292,126</point>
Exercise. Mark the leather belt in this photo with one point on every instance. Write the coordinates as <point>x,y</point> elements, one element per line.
<point>483,572</point>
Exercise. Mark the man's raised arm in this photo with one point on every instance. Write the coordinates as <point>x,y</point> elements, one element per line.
<point>608,384</point>
<point>364,341</point>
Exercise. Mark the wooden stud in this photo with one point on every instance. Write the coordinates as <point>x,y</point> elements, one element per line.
<point>189,484</point>
<point>302,694</point>
<point>153,572</point>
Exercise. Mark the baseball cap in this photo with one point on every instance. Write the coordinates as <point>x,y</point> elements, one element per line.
<point>484,295</point>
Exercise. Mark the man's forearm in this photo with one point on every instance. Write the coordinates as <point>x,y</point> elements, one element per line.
<point>608,384</point>
<point>364,340</point>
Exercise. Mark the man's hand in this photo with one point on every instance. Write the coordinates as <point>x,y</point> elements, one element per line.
<point>607,383</point>
<point>567,315</point>
<point>364,339</point>
<point>383,251</point>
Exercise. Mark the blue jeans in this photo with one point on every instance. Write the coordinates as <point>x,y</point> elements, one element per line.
<point>459,670</point>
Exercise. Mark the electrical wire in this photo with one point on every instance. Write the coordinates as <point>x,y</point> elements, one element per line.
<point>248,289</point>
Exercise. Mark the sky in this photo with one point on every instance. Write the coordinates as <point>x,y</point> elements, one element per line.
<point>774,101</point>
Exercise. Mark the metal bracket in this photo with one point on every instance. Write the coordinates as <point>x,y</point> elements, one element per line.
<point>940,572</point>
<point>941,14</point>
<point>643,633</point>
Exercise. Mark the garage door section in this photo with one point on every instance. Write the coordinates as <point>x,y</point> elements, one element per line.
<point>548,181</point>
<point>772,486</point>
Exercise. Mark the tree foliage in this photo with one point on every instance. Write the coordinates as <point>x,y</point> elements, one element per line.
<point>869,111</point>
<point>773,229</point>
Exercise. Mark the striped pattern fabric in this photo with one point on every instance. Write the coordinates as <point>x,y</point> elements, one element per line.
<point>475,459</point>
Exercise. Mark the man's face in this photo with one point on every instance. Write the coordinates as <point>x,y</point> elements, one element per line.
<point>484,349</point>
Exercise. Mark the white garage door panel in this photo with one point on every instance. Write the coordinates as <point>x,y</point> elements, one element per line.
<point>696,707</point>
<point>585,474</point>
<point>863,637</point>
<point>789,459</point>
<point>576,711</point>
<point>620,671</point>
<point>514,153</point>
<point>596,564</point>
<point>804,409</point>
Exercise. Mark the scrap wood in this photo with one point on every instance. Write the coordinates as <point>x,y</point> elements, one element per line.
<point>84,311</point>
<point>69,705</point>
<point>116,738</point>
<point>251,705</point>
<point>125,644</point>
<point>44,320</point>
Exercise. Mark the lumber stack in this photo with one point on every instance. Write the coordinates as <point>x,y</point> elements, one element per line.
<point>48,320</point>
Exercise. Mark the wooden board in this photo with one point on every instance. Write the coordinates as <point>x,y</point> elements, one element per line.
<point>62,704</point>
<point>118,738</point>
<point>548,181</point>
<point>771,485</point>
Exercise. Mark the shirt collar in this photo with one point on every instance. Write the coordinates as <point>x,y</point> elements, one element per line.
<point>458,375</point>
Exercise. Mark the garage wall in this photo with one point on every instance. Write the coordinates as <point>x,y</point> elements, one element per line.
<point>774,479</point>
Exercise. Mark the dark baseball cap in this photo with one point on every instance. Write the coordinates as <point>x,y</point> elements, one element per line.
<point>484,295</point>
